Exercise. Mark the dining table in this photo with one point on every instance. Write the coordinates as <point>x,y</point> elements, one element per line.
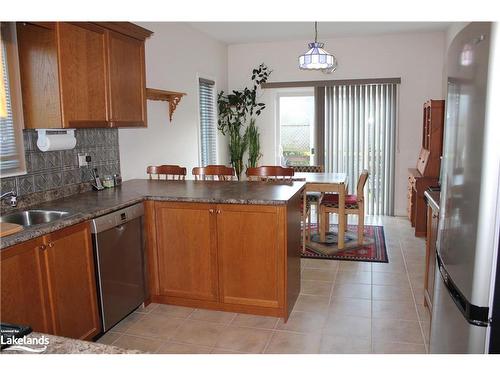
<point>324,183</point>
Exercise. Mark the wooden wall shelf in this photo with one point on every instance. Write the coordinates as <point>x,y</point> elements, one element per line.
<point>173,98</point>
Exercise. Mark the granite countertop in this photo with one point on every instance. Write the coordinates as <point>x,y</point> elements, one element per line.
<point>86,206</point>
<point>64,345</point>
<point>432,198</point>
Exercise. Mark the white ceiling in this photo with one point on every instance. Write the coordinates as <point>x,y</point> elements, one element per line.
<point>255,32</point>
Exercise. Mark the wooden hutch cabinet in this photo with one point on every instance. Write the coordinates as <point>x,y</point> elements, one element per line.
<point>426,173</point>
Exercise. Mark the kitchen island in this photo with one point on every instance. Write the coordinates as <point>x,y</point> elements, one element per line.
<point>231,246</point>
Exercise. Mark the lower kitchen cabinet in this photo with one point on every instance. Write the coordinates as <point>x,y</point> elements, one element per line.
<point>24,293</point>
<point>71,282</point>
<point>251,256</point>
<point>226,257</point>
<point>187,258</point>
<point>49,284</point>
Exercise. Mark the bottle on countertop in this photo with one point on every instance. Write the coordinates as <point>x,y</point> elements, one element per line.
<point>108,182</point>
<point>117,179</point>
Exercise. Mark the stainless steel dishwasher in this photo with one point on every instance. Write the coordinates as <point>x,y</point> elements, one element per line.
<point>120,263</point>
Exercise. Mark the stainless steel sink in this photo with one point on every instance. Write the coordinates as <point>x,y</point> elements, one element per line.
<point>33,217</point>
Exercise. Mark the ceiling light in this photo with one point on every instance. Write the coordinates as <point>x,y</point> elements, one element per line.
<point>317,58</point>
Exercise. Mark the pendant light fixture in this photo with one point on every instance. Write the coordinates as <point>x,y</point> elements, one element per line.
<point>317,58</point>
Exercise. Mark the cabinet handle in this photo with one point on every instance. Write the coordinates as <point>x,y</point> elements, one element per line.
<point>51,244</point>
<point>211,210</point>
<point>42,247</point>
<point>218,211</point>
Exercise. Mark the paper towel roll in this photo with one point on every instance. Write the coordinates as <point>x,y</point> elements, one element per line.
<point>56,142</point>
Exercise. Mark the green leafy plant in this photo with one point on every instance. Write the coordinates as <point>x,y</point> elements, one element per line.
<point>235,110</point>
<point>253,139</point>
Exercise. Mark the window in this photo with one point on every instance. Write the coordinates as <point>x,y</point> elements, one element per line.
<point>12,160</point>
<point>208,130</point>
<point>360,133</point>
<point>296,128</point>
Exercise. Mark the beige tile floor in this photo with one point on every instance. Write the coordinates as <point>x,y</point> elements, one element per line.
<point>344,307</point>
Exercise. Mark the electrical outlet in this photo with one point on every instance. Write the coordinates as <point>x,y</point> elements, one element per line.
<point>83,160</point>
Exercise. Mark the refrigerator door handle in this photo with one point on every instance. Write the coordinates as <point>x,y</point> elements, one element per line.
<point>475,315</point>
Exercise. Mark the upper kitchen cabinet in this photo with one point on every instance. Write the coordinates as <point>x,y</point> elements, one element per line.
<point>37,46</point>
<point>82,71</point>
<point>79,75</point>
<point>127,83</point>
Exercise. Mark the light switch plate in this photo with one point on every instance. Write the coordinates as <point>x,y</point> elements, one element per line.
<point>82,160</point>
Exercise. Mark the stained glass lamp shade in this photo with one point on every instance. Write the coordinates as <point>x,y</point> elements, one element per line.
<point>317,58</point>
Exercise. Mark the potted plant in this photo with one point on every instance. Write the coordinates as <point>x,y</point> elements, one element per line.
<point>253,139</point>
<point>235,111</point>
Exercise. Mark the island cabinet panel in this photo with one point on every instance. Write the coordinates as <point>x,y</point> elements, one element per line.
<point>251,255</point>
<point>126,80</point>
<point>229,257</point>
<point>82,66</point>
<point>23,289</point>
<point>71,282</point>
<point>187,252</point>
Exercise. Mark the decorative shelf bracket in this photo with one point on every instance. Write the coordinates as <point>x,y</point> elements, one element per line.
<point>172,97</point>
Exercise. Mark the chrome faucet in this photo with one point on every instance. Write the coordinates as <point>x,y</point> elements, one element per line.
<point>13,197</point>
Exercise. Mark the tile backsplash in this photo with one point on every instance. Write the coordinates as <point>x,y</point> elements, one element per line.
<point>59,169</point>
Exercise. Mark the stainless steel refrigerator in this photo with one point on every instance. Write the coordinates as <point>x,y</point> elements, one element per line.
<point>466,303</point>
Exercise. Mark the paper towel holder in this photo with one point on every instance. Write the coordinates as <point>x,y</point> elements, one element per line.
<point>42,136</point>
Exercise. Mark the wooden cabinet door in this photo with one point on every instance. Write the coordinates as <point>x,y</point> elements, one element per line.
<point>71,282</point>
<point>126,80</point>
<point>38,68</point>
<point>82,69</point>
<point>251,254</point>
<point>23,289</point>
<point>186,248</point>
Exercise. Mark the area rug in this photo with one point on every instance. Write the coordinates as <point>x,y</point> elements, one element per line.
<point>372,250</point>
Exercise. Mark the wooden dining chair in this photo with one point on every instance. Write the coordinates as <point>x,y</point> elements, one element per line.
<point>312,197</point>
<point>213,172</point>
<point>171,172</point>
<point>354,205</point>
<point>270,173</point>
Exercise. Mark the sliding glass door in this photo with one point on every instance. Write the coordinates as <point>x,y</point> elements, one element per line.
<point>360,132</point>
<point>296,133</point>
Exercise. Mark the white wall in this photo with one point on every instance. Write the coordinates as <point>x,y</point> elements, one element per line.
<point>175,55</point>
<point>416,58</point>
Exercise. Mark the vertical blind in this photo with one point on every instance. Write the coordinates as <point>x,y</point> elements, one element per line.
<point>360,133</point>
<point>208,131</point>
<point>11,143</point>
